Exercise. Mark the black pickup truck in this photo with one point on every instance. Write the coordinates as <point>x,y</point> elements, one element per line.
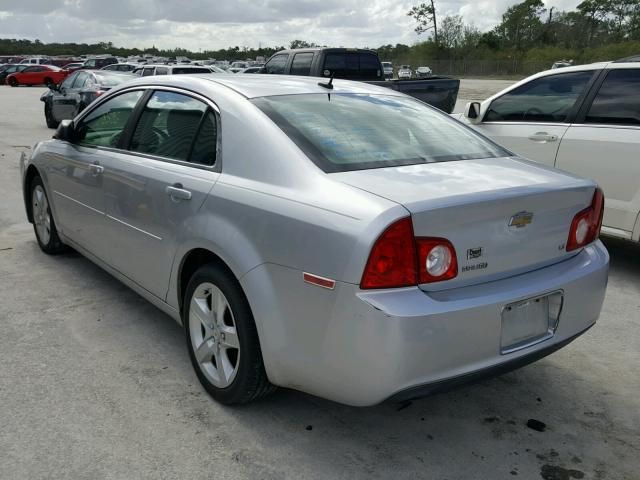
<point>364,66</point>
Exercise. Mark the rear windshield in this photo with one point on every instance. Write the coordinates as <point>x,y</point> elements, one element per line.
<point>180,70</point>
<point>352,65</point>
<point>344,132</point>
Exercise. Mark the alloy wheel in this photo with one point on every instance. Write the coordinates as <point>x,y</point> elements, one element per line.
<point>213,335</point>
<point>41,214</point>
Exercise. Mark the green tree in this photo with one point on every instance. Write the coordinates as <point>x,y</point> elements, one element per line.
<point>451,31</point>
<point>425,15</point>
<point>521,25</point>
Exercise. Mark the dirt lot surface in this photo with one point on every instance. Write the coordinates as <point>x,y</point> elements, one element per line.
<point>96,383</point>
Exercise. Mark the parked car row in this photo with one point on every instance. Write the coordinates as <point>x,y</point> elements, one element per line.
<point>583,119</point>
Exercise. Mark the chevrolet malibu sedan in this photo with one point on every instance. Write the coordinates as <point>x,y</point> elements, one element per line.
<point>336,238</point>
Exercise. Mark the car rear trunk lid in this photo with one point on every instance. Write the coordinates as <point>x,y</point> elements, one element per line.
<point>504,216</point>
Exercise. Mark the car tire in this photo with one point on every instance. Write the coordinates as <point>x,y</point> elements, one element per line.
<point>43,224</point>
<point>48,116</point>
<point>48,82</point>
<point>13,82</point>
<point>222,338</point>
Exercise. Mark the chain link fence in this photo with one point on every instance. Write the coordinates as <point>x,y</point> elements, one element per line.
<point>485,68</point>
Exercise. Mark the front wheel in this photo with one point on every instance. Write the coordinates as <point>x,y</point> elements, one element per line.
<point>222,338</point>
<point>48,82</point>
<point>43,223</point>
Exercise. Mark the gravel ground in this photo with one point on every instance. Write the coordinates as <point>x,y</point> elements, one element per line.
<point>96,383</point>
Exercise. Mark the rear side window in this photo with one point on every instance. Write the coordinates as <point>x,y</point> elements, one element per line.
<point>344,132</point>
<point>301,64</point>
<point>546,99</point>
<point>103,126</point>
<point>162,71</point>
<point>206,144</point>
<point>148,71</point>
<point>618,100</point>
<point>277,64</point>
<point>168,125</point>
<point>354,65</point>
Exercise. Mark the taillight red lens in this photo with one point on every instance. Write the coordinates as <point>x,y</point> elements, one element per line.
<point>392,262</point>
<point>585,227</point>
<point>436,260</point>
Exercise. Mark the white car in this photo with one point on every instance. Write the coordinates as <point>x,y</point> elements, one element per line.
<point>583,119</point>
<point>404,71</point>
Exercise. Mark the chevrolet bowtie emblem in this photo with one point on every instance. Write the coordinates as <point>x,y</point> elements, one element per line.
<point>521,219</point>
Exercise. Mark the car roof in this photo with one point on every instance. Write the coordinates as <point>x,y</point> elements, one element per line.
<point>259,85</point>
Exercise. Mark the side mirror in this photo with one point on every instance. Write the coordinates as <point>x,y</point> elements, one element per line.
<point>472,112</point>
<point>65,131</point>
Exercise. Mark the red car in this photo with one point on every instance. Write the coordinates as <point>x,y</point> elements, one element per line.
<point>37,75</point>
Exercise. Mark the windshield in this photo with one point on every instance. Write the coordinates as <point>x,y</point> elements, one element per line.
<point>344,132</point>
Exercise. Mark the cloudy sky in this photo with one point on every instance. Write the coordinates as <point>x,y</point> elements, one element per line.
<point>213,24</point>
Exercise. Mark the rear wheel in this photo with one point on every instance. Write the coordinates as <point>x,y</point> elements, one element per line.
<point>222,338</point>
<point>43,224</point>
<point>48,116</point>
<point>13,82</point>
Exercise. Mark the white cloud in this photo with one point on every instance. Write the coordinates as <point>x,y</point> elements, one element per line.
<point>207,24</point>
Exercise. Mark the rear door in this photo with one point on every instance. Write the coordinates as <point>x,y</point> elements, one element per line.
<point>604,145</point>
<point>153,193</point>
<point>531,119</point>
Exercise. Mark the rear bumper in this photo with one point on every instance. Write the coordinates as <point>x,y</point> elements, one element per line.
<point>363,347</point>
<point>482,374</point>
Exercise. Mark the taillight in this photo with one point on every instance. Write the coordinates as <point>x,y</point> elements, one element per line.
<point>392,262</point>
<point>436,259</point>
<point>398,259</point>
<point>585,227</point>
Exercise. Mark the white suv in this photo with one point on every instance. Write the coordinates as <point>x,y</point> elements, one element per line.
<point>583,119</point>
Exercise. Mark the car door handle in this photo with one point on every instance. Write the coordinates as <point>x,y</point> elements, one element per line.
<point>96,169</point>
<point>543,137</point>
<point>177,193</point>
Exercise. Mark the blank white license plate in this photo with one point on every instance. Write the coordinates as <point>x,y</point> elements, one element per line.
<point>530,321</point>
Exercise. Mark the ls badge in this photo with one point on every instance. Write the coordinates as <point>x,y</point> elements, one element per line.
<point>521,219</point>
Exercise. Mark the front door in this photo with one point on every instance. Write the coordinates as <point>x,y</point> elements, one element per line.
<point>153,194</point>
<point>531,119</point>
<point>76,172</point>
<point>66,99</point>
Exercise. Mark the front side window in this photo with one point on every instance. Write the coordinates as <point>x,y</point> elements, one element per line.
<point>344,132</point>
<point>103,126</point>
<point>618,100</point>
<point>30,70</point>
<point>68,82</point>
<point>545,99</point>
<point>168,125</point>
<point>301,64</point>
<point>81,79</point>
<point>277,64</point>
<point>90,63</point>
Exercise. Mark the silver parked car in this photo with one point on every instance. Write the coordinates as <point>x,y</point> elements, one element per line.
<point>337,238</point>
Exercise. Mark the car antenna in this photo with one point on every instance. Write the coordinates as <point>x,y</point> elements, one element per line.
<point>328,85</point>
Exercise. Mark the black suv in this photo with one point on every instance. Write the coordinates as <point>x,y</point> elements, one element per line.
<point>98,63</point>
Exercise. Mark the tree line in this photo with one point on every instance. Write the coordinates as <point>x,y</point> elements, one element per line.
<point>595,30</point>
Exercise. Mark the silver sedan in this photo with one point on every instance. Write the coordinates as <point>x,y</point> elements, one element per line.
<point>332,237</point>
